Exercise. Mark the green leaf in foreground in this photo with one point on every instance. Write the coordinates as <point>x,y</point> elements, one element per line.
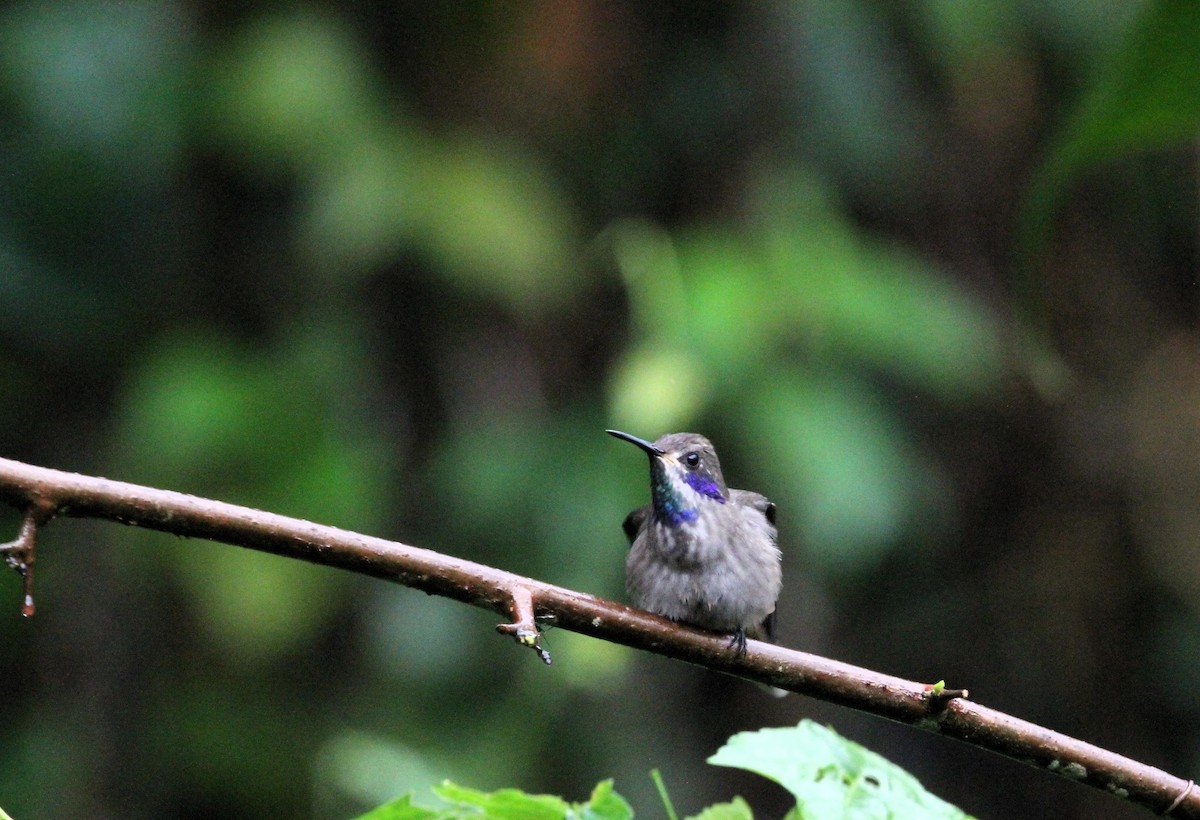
<point>401,809</point>
<point>605,804</point>
<point>502,804</point>
<point>831,776</point>
<point>507,804</point>
<point>735,809</point>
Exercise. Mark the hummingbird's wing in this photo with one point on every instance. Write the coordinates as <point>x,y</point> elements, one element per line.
<point>768,626</point>
<point>635,522</point>
<point>761,504</point>
<point>756,501</point>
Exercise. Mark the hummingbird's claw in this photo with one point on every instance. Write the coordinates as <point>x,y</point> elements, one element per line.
<point>737,642</point>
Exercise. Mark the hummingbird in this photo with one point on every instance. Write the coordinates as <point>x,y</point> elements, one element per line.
<point>701,553</point>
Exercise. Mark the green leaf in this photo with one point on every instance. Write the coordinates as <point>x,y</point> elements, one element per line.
<point>502,804</point>
<point>514,804</point>
<point>401,809</point>
<point>831,776</point>
<point>735,809</point>
<point>605,804</point>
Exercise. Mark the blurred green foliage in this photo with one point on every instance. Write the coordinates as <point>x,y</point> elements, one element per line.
<point>395,267</point>
<point>297,94</point>
<point>1145,98</point>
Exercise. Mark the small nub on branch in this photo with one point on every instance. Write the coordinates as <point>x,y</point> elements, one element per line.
<point>524,628</point>
<point>21,552</point>
<point>938,695</point>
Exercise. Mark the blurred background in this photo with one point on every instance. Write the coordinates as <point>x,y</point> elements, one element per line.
<point>925,272</point>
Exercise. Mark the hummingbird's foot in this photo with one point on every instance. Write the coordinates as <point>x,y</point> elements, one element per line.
<point>737,642</point>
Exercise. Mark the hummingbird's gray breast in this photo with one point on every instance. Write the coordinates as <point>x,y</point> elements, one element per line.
<point>719,571</point>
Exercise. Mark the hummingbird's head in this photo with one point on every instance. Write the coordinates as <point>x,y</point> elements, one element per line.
<point>684,475</point>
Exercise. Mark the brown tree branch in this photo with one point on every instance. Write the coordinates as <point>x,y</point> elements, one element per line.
<point>42,494</point>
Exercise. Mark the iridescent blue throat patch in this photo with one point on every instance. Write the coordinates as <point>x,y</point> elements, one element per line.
<point>704,485</point>
<point>670,505</point>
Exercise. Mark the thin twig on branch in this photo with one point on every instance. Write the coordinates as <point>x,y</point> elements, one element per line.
<point>43,493</point>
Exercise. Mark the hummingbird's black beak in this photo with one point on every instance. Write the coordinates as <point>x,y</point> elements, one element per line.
<point>640,442</point>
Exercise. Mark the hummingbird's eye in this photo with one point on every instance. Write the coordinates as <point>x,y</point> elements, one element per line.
<point>692,460</point>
